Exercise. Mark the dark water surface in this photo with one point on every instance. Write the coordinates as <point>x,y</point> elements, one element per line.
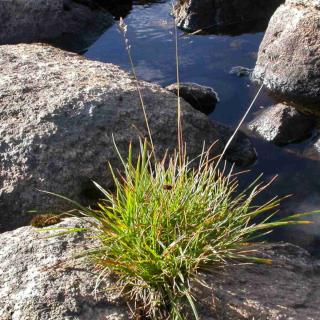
<point>207,60</point>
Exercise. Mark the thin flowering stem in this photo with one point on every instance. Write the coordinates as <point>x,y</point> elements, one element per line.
<point>179,116</point>
<point>238,127</point>
<point>124,28</point>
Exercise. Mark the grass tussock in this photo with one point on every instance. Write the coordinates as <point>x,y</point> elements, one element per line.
<point>171,219</point>
<point>167,221</point>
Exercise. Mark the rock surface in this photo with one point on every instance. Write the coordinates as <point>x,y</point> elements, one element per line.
<point>235,15</point>
<point>240,150</point>
<point>240,71</point>
<point>289,56</point>
<point>200,97</point>
<point>39,20</point>
<point>282,124</point>
<point>40,280</point>
<point>59,112</point>
<point>287,289</point>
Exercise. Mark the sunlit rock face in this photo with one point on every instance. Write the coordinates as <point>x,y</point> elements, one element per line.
<point>289,57</point>
<point>232,16</point>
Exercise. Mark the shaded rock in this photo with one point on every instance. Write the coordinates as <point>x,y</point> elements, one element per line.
<point>40,280</point>
<point>231,16</point>
<point>241,150</point>
<point>282,124</point>
<point>241,71</point>
<point>118,8</point>
<point>75,21</point>
<point>59,112</point>
<point>200,97</point>
<point>305,200</point>
<point>289,56</point>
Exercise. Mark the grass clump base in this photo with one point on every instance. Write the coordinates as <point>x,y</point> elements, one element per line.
<point>45,220</point>
<point>167,221</point>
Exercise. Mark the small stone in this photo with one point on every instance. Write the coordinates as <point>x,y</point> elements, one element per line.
<point>200,97</point>
<point>241,71</point>
<point>282,124</point>
<point>241,150</point>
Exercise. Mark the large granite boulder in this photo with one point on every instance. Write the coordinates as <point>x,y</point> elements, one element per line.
<point>282,124</point>
<point>40,280</point>
<point>232,15</point>
<point>42,20</point>
<point>289,56</point>
<point>58,114</point>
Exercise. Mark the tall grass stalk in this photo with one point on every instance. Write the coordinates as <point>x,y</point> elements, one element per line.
<point>170,219</point>
<point>123,28</point>
<point>179,118</point>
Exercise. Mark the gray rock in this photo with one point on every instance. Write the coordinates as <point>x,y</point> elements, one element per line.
<point>289,56</point>
<point>282,124</point>
<point>236,15</point>
<point>287,289</point>
<point>200,97</point>
<point>59,112</point>
<point>40,280</point>
<point>240,150</point>
<point>39,20</point>
<point>241,71</point>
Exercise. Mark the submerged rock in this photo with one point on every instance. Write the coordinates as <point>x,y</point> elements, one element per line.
<point>282,124</point>
<point>240,150</point>
<point>200,97</point>
<point>41,20</point>
<point>59,115</point>
<point>240,71</point>
<point>234,16</point>
<point>312,151</point>
<point>40,280</point>
<point>289,56</point>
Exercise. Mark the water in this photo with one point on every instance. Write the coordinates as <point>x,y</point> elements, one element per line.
<point>207,60</point>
